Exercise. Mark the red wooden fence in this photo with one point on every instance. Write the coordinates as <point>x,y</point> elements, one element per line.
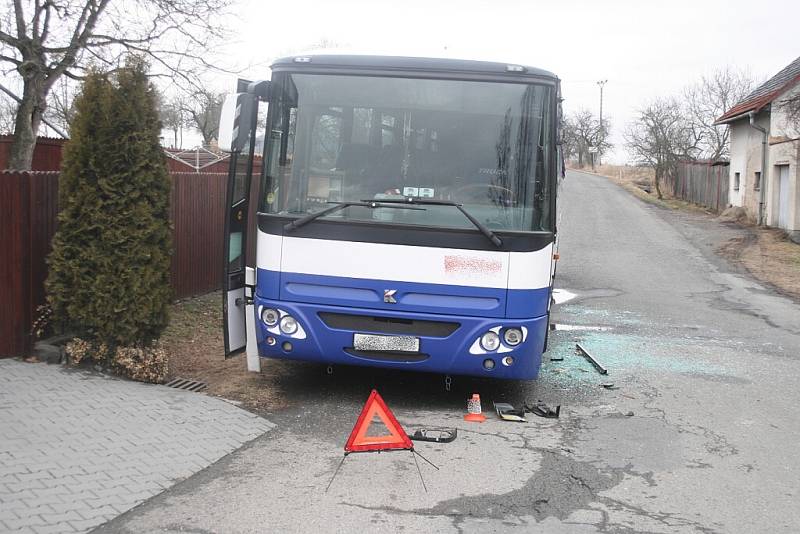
<point>28,209</point>
<point>46,155</point>
<point>28,216</point>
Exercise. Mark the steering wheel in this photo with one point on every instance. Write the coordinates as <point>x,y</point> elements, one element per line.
<point>502,192</point>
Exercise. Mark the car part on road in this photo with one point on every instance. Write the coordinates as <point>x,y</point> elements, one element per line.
<point>556,358</point>
<point>597,365</point>
<point>186,385</point>
<point>474,412</point>
<point>435,435</point>
<point>506,412</point>
<point>543,410</point>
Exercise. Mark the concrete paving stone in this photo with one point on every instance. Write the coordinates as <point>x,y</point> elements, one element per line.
<point>67,471</point>
<point>62,517</point>
<point>7,513</point>
<point>27,521</point>
<point>56,528</point>
<point>111,496</point>
<point>85,524</point>
<point>96,445</point>
<point>9,468</point>
<point>31,484</point>
<point>105,510</point>
<point>35,475</point>
<point>14,500</point>
<point>66,506</point>
<point>125,482</point>
<point>54,482</point>
<point>55,491</point>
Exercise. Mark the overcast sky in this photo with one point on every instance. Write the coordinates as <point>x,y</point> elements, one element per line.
<point>644,49</point>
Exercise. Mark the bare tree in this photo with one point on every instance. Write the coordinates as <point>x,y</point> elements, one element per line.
<point>582,131</point>
<point>8,110</point>
<point>45,40</point>
<point>791,106</point>
<point>60,110</point>
<point>173,117</point>
<point>708,99</point>
<point>202,113</point>
<point>660,137</point>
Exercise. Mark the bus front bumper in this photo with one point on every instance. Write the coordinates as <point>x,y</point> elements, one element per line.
<point>325,334</point>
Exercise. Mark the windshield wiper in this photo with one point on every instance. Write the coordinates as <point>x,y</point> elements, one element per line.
<point>297,223</point>
<point>491,236</point>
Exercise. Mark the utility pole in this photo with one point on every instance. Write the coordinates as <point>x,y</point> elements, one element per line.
<point>601,83</point>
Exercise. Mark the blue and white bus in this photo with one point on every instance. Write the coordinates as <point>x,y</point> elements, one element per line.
<point>405,214</point>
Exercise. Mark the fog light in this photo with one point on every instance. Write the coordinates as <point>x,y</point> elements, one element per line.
<point>288,325</point>
<point>512,336</point>
<point>270,341</point>
<point>490,341</point>
<point>287,346</point>
<point>270,316</point>
<point>508,361</point>
<point>488,364</point>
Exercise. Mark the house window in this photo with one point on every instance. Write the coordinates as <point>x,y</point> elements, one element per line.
<point>736,180</point>
<point>757,182</point>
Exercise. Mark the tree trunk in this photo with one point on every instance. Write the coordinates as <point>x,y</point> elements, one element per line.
<point>658,183</point>
<point>26,127</point>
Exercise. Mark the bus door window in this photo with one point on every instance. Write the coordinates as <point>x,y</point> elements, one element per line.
<point>280,146</point>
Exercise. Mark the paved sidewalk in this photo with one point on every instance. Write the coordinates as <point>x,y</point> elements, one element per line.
<point>77,449</point>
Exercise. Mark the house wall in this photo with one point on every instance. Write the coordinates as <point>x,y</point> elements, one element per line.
<point>784,149</point>
<point>746,160</point>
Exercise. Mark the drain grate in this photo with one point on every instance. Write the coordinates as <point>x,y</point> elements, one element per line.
<point>187,385</point>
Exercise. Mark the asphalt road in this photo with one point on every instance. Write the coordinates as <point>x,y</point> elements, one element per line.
<point>700,435</point>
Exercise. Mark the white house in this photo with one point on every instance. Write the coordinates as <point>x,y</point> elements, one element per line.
<point>765,151</point>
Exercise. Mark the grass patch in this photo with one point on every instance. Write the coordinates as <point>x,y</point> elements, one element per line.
<point>195,348</point>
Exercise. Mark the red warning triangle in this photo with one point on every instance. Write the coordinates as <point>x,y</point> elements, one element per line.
<point>359,441</point>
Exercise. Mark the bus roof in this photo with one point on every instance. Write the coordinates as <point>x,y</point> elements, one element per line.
<point>408,64</point>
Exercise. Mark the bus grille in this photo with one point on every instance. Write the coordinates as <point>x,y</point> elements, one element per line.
<point>388,325</point>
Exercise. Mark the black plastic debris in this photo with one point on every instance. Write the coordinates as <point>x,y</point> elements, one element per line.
<point>543,410</point>
<point>435,435</point>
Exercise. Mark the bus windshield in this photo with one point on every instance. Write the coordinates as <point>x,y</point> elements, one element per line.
<point>487,146</point>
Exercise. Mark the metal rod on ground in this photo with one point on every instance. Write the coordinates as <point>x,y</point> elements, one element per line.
<point>419,471</point>
<point>337,471</point>
<point>418,454</point>
<point>597,365</point>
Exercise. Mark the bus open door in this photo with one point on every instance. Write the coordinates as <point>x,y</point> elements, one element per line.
<point>237,136</point>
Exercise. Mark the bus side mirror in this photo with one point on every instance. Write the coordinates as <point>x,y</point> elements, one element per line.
<point>236,121</point>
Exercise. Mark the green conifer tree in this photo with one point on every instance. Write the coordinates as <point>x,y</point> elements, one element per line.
<point>109,268</point>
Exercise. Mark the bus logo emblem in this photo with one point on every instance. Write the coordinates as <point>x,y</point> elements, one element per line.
<point>388,296</point>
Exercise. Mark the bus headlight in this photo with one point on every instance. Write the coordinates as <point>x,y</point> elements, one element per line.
<point>288,325</point>
<point>490,341</point>
<point>512,336</point>
<point>270,316</point>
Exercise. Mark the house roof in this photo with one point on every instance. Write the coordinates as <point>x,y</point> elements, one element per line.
<point>764,93</point>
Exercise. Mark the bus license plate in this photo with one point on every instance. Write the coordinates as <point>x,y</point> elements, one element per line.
<point>385,343</point>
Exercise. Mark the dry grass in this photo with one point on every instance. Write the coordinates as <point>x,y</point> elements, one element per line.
<point>194,344</point>
<point>769,256</point>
